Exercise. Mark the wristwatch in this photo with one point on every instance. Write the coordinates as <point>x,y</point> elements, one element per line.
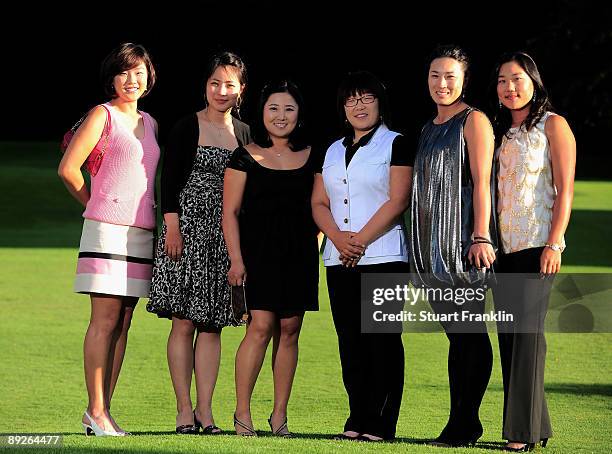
<point>555,247</point>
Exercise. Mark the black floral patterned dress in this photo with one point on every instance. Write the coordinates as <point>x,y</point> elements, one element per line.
<point>195,287</point>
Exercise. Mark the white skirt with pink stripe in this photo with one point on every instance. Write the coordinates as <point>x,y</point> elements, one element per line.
<point>114,260</point>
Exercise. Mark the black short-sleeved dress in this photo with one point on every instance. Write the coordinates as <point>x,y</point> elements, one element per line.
<point>278,236</point>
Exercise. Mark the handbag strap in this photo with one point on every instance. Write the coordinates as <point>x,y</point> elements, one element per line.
<point>107,129</point>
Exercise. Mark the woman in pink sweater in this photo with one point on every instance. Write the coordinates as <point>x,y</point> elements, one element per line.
<point>116,250</point>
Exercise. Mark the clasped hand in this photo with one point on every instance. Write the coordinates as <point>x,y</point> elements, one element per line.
<point>350,246</point>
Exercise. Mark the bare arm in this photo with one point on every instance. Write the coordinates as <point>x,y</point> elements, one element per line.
<point>233,191</point>
<point>81,145</point>
<point>563,157</point>
<point>173,243</point>
<point>321,212</point>
<point>480,143</point>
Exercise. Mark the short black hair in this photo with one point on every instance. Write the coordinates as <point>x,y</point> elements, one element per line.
<point>297,138</point>
<point>124,57</point>
<point>361,82</point>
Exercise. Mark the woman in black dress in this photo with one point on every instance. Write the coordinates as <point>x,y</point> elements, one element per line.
<point>189,284</point>
<point>272,243</point>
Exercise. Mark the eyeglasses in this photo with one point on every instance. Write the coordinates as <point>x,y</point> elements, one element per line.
<point>366,99</point>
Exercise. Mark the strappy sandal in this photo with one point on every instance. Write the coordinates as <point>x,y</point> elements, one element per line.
<point>211,429</point>
<point>249,431</point>
<point>279,432</point>
<point>187,429</point>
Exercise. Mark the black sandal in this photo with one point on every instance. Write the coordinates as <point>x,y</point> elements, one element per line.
<point>342,436</point>
<point>527,447</point>
<point>187,429</point>
<point>208,430</point>
<point>278,432</point>
<point>211,430</point>
<point>449,443</point>
<point>250,432</point>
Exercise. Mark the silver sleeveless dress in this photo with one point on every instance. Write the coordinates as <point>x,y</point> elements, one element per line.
<point>442,213</point>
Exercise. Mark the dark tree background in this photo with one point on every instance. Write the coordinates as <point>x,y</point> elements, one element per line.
<point>51,61</point>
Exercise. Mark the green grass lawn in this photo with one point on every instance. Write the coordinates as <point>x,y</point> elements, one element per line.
<point>42,324</point>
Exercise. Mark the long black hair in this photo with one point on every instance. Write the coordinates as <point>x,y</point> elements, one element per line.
<point>297,138</point>
<point>540,103</point>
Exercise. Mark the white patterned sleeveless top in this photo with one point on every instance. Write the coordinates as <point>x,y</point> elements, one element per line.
<point>526,193</point>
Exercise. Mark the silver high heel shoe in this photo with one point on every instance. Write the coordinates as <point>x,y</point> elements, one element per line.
<point>93,428</point>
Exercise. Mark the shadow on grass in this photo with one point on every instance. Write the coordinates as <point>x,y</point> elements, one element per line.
<point>574,389</point>
<point>268,435</point>
<point>587,238</point>
<point>580,389</point>
<point>491,445</point>
<point>330,437</point>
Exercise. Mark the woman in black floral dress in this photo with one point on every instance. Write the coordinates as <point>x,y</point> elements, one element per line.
<point>189,277</point>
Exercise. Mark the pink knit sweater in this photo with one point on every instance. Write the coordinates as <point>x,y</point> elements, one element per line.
<point>122,192</point>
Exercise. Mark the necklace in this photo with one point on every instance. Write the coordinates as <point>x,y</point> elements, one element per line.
<point>277,153</point>
<point>219,129</point>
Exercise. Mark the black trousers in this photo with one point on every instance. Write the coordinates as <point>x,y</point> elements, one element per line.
<point>372,364</point>
<point>470,360</point>
<point>523,354</point>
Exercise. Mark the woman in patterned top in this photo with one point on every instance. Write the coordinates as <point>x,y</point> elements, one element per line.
<point>189,278</point>
<point>536,157</point>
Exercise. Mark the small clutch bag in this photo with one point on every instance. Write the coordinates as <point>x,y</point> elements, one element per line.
<point>239,306</point>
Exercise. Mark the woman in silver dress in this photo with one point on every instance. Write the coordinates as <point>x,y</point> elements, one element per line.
<point>451,225</point>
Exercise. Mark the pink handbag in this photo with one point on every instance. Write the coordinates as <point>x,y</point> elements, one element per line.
<point>94,160</point>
